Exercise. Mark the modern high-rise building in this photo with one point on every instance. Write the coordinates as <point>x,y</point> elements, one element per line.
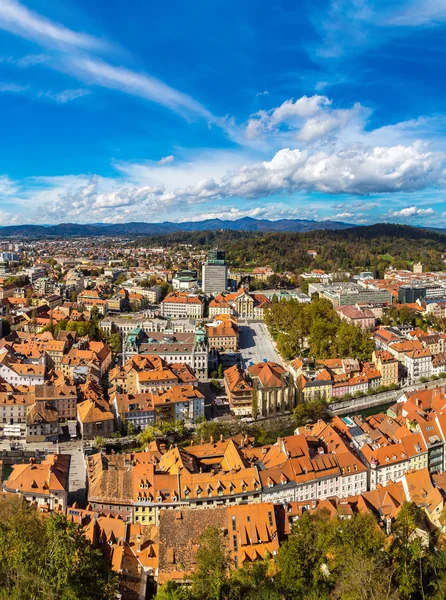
<point>214,275</point>
<point>408,294</point>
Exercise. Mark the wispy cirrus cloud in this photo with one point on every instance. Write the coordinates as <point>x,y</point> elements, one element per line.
<point>349,27</point>
<point>99,72</point>
<point>19,20</point>
<point>76,55</point>
<point>61,97</point>
<point>414,13</point>
<point>13,88</point>
<point>23,62</point>
<point>65,95</point>
<point>166,159</point>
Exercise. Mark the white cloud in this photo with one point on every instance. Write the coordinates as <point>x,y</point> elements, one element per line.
<point>166,160</point>
<point>311,118</point>
<point>427,12</point>
<point>65,95</point>
<point>354,170</point>
<point>95,197</point>
<point>26,61</point>
<point>188,168</point>
<point>17,19</point>
<point>348,27</point>
<point>271,212</point>
<point>7,186</point>
<point>13,88</point>
<point>411,211</point>
<point>344,215</point>
<point>30,60</point>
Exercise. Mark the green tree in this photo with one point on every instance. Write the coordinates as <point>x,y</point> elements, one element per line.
<point>99,442</point>
<point>209,581</point>
<point>310,412</point>
<point>95,315</point>
<point>211,429</point>
<point>46,558</point>
<point>302,558</point>
<point>146,436</point>
<point>69,577</point>
<point>410,553</point>
<point>115,342</point>
<point>173,591</point>
<point>253,582</point>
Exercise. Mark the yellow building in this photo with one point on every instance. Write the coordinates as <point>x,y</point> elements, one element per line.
<point>387,365</point>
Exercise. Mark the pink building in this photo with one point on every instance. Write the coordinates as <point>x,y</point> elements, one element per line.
<point>364,318</point>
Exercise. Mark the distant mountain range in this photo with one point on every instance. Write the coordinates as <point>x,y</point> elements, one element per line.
<point>133,229</point>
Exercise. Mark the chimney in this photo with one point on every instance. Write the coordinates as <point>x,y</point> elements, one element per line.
<point>138,543</point>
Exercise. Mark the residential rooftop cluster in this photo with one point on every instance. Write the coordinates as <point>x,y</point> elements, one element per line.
<point>149,508</point>
<point>104,339</point>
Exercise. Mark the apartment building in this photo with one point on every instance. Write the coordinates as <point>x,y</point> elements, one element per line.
<point>223,335</point>
<point>45,483</point>
<point>182,305</point>
<point>239,390</point>
<point>387,364</point>
<point>418,364</point>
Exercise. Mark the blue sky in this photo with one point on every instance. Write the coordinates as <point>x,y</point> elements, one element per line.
<point>141,110</point>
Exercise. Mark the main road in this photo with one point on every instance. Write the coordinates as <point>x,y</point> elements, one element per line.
<point>256,344</point>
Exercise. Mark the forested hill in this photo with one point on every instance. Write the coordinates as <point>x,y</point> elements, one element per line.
<point>143,228</point>
<point>373,247</point>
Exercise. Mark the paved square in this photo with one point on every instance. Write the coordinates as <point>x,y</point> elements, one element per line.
<point>256,344</point>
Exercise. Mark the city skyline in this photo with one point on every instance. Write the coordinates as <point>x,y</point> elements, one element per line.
<point>149,113</point>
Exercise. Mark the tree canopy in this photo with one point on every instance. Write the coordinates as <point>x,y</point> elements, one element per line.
<point>48,558</point>
<point>372,248</point>
<point>317,329</point>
